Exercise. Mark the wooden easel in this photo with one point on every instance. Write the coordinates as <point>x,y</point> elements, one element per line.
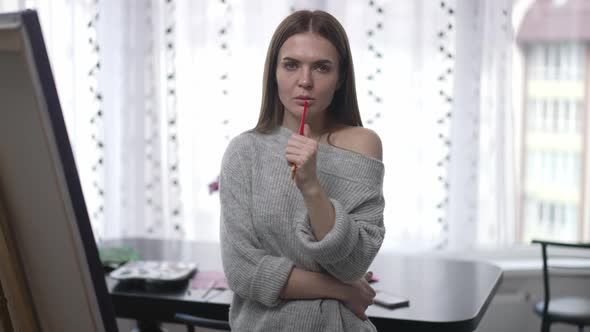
<point>16,310</point>
<point>16,305</point>
<point>5,324</point>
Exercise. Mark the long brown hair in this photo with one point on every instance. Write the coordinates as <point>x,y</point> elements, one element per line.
<point>344,108</point>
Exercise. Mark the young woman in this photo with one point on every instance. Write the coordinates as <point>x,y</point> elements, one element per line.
<point>302,215</point>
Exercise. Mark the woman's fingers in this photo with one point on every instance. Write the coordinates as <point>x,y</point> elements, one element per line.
<point>300,141</point>
<point>296,143</point>
<point>363,314</point>
<point>294,159</point>
<point>370,290</point>
<point>359,311</point>
<point>301,151</point>
<point>299,155</point>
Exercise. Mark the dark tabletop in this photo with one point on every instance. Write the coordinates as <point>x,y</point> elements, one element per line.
<point>444,294</point>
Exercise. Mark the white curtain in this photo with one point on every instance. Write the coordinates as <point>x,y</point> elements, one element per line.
<point>153,91</point>
<point>71,42</point>
<point>484,171</point>
<point>499,170</point>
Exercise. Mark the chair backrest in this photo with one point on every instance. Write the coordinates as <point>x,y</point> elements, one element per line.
<point>567,251</point>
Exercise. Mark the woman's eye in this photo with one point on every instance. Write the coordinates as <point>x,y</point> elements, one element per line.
<point>290,65</point>
<point>323,68</point>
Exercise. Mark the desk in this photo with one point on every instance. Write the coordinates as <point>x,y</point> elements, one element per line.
<point>445,295</point>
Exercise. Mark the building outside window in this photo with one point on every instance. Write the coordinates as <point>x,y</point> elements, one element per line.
<point>554,41</point>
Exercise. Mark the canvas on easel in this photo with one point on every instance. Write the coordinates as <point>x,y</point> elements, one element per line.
<point>12,279</point>
<point>49,269</point>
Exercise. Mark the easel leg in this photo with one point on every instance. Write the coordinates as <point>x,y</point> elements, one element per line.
<point>5,322</point>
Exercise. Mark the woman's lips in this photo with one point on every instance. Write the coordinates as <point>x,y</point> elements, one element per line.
<point>301,101</point>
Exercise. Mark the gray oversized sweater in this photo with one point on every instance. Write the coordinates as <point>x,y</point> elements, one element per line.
<point>265,232</point>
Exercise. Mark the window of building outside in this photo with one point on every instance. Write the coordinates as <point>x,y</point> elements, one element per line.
<point>553,42</point>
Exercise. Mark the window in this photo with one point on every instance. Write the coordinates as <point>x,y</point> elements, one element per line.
<point>407,89</point>
<point>554,148</point>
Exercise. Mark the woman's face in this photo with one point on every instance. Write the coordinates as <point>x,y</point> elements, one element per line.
<point>307,69</point>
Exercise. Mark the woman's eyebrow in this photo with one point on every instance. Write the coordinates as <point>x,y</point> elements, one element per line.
<point>289,59</point>
<point>322,62</point>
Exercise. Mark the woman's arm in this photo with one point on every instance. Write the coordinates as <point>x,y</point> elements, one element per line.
<point>251,273</point>
<point>343,240</point>
<point>302,150</point>
<point>348,250</point>
<point>306,285</point>
<point>320,209</point>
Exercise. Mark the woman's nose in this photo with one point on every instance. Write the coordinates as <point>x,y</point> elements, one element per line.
<point>305,80</point>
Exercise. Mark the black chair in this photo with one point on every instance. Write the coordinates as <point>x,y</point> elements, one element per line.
<point>573,310</point>
<point>191,321</point>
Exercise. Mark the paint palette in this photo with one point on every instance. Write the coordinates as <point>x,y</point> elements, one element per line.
<point>154,271</point>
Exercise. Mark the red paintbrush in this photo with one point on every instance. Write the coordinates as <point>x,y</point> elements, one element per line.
<point>303,118</point>
<point>300,131</point>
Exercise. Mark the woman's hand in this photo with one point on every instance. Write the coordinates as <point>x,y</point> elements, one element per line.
<point>360,296</point>
<point>302,152</point>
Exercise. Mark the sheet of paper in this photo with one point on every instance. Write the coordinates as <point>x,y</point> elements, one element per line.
<point>209,279</point>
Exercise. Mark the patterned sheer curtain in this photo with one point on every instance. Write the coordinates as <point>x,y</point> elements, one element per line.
<point>69,29</point>
<point>154,90</point>
<point>500,121</point>
<point>484,170</point>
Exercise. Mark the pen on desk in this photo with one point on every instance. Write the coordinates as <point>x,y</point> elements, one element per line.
<point>209,289</point>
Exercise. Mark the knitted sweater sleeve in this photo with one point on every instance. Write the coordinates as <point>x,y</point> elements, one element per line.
<point>250,271</point>
<point>348,250</point>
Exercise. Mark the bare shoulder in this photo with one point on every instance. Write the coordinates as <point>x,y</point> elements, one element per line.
<point>358,139</point>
